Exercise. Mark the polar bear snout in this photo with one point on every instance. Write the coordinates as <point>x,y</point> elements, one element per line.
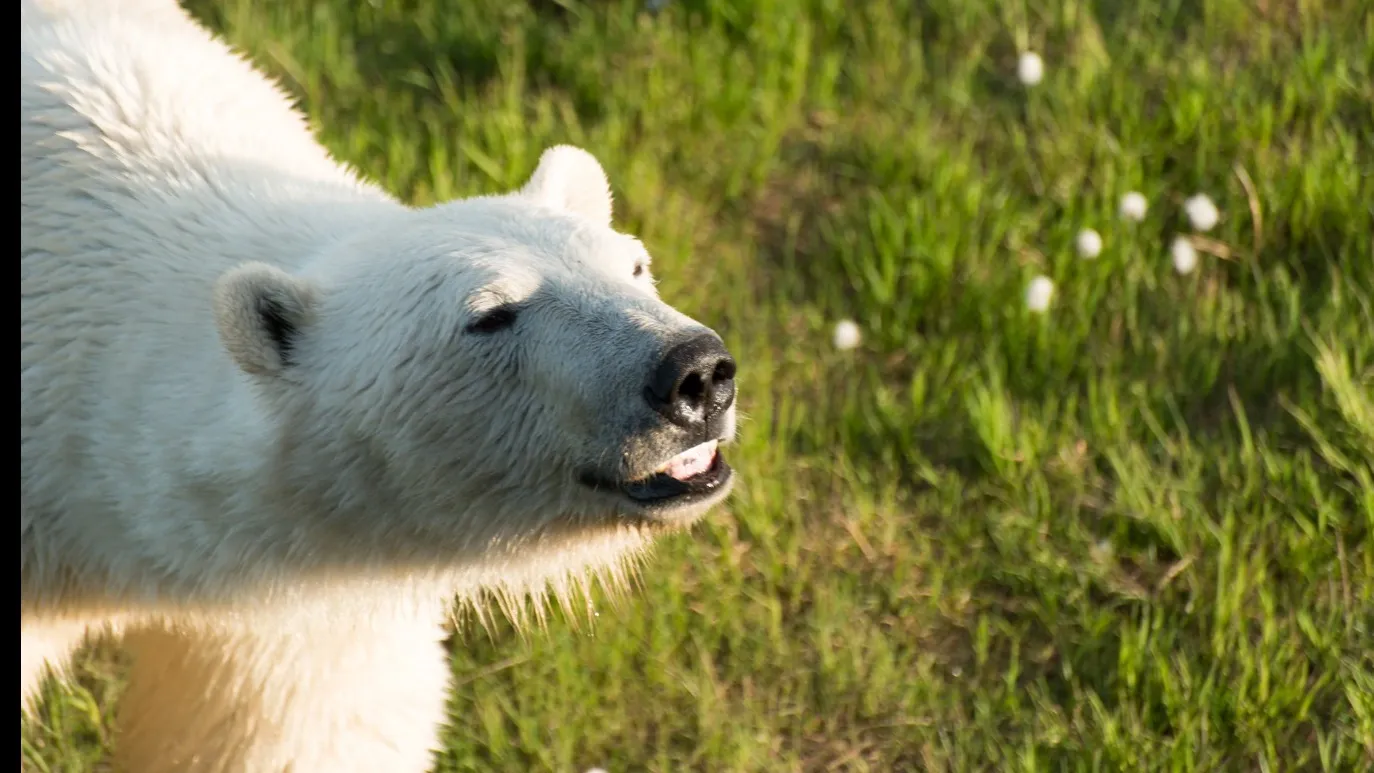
<point>694,385</point>
<point>672,471</point>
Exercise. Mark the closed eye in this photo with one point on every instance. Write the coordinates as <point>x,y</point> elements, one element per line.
<point>494,320</point>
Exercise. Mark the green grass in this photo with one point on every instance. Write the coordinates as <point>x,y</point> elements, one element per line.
<point>1133,533</point>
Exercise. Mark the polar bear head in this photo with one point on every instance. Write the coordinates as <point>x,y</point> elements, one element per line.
<point>482,381</point>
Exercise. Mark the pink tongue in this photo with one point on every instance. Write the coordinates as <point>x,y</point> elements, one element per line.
<point>693,461</point>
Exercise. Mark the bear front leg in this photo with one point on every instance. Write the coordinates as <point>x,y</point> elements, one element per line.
<point>290,693</point>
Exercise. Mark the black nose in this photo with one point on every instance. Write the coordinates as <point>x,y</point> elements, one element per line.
<point>695,382</point>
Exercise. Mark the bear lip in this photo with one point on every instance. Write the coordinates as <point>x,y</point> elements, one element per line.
<point>690,463</point>
<point>689,477</point>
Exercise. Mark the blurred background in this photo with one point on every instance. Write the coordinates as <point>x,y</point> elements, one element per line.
<point>1013,497</point>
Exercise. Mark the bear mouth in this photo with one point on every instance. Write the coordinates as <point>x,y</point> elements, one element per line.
<point>700,473</point>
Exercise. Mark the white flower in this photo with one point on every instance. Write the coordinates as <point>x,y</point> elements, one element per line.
<point>1089,243</point>
<point>1185,257</point>
<point>1038,293</point>
<point>1030,68</point>
<point>1133,206</point>
<point>596,770</point>
<point>846,335</point>
<point>1202,213</point>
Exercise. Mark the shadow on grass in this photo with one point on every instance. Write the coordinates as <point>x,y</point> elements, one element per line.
<point>473,48</point>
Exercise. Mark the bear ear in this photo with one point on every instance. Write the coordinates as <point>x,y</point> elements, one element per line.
<point>260,310</point>
<point>571,179</point>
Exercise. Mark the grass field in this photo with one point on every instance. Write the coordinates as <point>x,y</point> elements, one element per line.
<point>1130,533</point>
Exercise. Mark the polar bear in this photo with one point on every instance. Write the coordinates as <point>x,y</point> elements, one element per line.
<point>273,421</point>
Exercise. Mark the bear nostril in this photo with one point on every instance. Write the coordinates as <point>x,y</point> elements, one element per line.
<point>693,382</point>
<point>725,370</point>
<point>692,389</point>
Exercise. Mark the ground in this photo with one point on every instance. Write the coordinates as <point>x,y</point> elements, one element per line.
<point>1130,533</point>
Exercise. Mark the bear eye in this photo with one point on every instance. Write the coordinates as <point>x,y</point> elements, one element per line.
<point>639,270</point>
<point>494,320</point>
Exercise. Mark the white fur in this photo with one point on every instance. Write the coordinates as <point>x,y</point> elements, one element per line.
<point>278,530</point>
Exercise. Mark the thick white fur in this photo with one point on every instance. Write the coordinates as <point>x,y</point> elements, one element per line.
<point>278,532</point>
